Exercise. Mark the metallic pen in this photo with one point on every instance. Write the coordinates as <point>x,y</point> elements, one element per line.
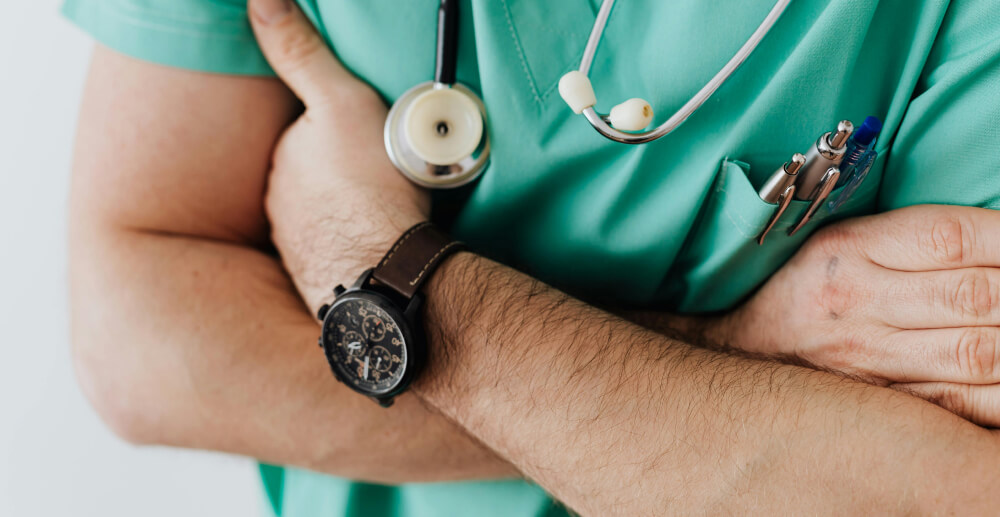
<point>782,179</point>
<point>828,151</point>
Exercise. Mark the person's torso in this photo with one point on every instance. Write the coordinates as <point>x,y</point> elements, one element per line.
<point>669,224</point>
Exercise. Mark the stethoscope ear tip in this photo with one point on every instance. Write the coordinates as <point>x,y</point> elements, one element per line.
<point>632,115</point>
<point>576,90</point>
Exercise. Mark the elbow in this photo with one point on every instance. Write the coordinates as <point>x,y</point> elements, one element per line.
<point>104,356</point>
<point>112,391</point>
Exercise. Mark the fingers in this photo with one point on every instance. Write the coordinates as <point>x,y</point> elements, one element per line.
<point>938,299</point>
<point>979,404</point>
<point>929,237</point>
<point>297,53</point>
<point>964,355</point>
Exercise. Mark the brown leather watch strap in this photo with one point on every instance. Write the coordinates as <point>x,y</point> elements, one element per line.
<point>412,260</point>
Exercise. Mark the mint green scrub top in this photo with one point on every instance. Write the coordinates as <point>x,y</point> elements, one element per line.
<point>668,224</point>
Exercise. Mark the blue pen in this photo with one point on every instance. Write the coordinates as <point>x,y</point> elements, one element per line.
<point>858,159</point>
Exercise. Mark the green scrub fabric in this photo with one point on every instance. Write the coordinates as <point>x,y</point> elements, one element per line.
<point>668,224</point>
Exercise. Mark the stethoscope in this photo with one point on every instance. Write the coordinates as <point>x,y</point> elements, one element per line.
<point>436,132</point>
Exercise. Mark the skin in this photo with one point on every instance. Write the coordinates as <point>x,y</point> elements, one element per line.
<point>907,299</point>
<point>168,224</point>
<point>547,381</point>
<point>166,230</point>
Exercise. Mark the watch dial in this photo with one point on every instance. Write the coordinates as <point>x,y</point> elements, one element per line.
<point>365,345</point>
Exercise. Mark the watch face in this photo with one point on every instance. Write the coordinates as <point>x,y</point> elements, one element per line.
<point>364,343</point>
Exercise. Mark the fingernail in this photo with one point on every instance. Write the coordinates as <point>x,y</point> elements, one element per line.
<point>270,11</point>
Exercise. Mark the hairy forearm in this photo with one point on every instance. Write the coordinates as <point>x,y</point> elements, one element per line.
<point>616,419</point>
<point>184,333</point>
<point>195,343</point>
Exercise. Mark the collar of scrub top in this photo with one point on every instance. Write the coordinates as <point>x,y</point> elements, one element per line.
<point>626,121</point>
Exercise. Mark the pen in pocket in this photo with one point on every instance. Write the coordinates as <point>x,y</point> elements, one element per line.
<point>858,160</point>
<point>828,151</point>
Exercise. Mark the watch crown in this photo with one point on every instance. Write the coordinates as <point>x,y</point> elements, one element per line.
<point>339,290</point>
<point>322,311</point>
<point>319,341</point>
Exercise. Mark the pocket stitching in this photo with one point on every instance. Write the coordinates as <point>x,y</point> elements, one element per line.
<point>520,52</point>
<point>741,225</point>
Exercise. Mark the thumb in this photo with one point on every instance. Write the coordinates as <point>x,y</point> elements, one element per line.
<point>296,52</point>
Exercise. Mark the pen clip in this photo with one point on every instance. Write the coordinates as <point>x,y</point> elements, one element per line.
<point>818,196</point>
<point>784,200</point>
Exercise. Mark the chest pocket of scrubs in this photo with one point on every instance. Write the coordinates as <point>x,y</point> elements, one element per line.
<point>549,38</point>
<point>721,260</point>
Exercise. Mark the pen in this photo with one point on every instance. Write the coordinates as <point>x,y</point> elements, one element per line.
<point>828,151</point>
<point>818,196</point>
<point>782,179</point>
<point>780,189</point>
<point>860,157</point>
<point>857,146</point>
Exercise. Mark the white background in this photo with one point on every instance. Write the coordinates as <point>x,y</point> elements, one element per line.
<point>56,458</point>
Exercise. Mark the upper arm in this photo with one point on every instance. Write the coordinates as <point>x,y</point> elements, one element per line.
<point>168,150</point>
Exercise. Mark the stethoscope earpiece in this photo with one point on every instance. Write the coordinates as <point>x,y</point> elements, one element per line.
<point>632,115</point>
<point>626,123</point>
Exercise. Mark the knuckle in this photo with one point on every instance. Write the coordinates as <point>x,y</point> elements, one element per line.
<point>848,353</point>
<point>299,46</point>
<point>954,398</point>
<point>977,354</point>
<point>950,239</point>
<point>836,298</point>
<point>972,294</point>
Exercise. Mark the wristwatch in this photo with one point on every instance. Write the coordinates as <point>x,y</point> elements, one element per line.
<point>372,335</point>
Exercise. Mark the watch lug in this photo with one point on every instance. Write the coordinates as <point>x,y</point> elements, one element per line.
<point>385,402</point>
<point>412,312</point>
<point>339,290</point>
<point>321,313</point>
<point>363,279</point>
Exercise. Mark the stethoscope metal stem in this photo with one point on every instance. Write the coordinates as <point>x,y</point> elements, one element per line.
<point>692,105</point>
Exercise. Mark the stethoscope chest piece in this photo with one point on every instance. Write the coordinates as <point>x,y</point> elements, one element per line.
<point>436,135</point>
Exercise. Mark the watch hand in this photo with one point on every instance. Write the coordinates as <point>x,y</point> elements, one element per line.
<point>366,368</point>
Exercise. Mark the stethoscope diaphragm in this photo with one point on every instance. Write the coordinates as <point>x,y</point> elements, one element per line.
<point>436,135</point>
<point>436,132</point>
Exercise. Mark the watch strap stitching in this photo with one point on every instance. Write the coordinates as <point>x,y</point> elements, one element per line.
<point>406,236</point>
<point>432,260</point>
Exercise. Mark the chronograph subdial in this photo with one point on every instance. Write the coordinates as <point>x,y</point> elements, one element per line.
<point>381,359</point>
<point>374,327</point>
<point>355,344</point>
<point>365,346</point>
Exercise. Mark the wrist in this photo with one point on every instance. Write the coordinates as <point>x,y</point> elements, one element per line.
<point>451,326</point>
<point>342,254</point>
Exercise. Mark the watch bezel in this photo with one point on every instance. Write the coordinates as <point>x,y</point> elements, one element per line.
<point>413,343</point>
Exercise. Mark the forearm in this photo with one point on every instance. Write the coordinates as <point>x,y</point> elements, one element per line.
<point>196,343</point>
<point>615,419</point>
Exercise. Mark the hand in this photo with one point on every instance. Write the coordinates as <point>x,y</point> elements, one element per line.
<point>335,201</point>
<point>909,298</point>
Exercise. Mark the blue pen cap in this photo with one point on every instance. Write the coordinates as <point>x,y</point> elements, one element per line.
<point>869,129</point>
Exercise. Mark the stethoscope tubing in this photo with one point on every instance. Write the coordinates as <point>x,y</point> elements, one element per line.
<point>600,123</point>
<point>446,59</point>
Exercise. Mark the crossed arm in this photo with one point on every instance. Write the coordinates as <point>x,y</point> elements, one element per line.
<point>186,328</point>
<point>171,231</point>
